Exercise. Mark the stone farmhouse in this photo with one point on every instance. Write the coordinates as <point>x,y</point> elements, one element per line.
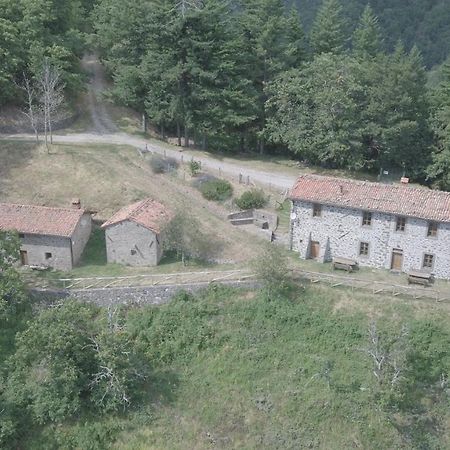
<point>133,234</point>
<point>50,237</point>
<point>396,227</point>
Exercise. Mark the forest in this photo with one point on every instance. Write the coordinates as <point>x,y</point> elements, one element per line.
<point>333,84</point>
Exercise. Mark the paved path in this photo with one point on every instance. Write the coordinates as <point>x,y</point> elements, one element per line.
<point>104,131</point>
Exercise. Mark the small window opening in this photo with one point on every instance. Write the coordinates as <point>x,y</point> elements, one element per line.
<point>317,210</point>
<point>367,218</point>
<point>48,255</point>
<point>363,248</point>
<point>133,251</point>
<point>428,261</point>
<point>432,229</point>
<point>401,224</point>
<point>21,235</point>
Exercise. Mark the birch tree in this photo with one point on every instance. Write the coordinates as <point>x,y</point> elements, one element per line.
<point>51,97</point>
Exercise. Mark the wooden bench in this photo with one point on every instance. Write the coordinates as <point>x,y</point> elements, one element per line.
<point>344,264</point>
<point>420,277</point>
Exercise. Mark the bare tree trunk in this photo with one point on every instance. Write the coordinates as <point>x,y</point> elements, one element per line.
<point>186,136</point>
<point>144,123</point>
<point>179,134</point>
<point>31,112</point>
<point>163,132</point>
<point>204,142</point>
<point>261,146</point>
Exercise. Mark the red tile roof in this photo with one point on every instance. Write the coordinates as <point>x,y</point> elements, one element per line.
<point>39,219</point>
<point>396,199</point>
<point>148,213</point>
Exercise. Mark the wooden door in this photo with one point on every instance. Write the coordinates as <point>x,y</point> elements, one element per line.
<point>24,257</point>
<point>397,259</point>
<point>315,250</point>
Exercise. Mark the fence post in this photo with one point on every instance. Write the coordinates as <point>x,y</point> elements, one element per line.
<point>248,180</point>
<point>240,178</point>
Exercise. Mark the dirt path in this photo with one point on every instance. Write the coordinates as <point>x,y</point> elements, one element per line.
<point>104,131</point>
<point>101,122</point>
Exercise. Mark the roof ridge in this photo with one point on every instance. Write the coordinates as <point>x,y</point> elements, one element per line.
<point>58,208</point>
<point>420,188</point>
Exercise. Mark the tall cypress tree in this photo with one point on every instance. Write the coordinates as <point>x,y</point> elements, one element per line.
<point>366,38</point>
<point>327,32</point>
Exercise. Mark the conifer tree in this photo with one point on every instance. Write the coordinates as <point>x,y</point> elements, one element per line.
<point>327,32</point>
<point>367,36</point>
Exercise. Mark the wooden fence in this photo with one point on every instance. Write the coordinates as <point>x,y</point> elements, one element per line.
<point>178,278</point>
<point>190,278</point>
<point>376,287</point>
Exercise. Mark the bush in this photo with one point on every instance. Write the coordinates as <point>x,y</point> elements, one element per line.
<point>254,198</point>
<point>194,167</point>
<point>217,190</point>
<point>161,164</point>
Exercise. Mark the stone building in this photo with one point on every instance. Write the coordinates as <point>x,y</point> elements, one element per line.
<point>396,227</point>
<point>133,234</point>
<point>50,237</point>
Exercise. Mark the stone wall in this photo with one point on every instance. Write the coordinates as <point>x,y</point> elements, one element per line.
<point>153,295</point>
<point>339,232</point>
<point>81,236</point>
<point>131,244</point>
<point>47,251</point>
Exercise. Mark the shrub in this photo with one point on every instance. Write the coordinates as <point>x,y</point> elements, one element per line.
<point>161,164</point>
<point>254,198</point>
<point>217,190</point>
<point>194,167</point>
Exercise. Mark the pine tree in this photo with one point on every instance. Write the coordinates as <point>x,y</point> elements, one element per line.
<point>296,41</point>
<point>367,36</point>
<point>327,32</point>
<point>439,170</point>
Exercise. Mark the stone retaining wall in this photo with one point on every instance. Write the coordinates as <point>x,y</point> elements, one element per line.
<point>152,295</point>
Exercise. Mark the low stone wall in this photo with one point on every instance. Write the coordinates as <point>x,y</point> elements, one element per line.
<point>152,295</point>
<point>256,216</point>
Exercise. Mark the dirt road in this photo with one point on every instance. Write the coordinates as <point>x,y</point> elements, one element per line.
<point>104,131</point>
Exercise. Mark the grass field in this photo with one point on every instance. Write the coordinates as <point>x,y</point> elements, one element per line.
<point>232,370</point>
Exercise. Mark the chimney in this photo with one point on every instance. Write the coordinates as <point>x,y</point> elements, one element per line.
<point>75,203</point>
<point>404,180</point>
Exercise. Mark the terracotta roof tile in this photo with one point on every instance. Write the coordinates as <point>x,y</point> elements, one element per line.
<point>39,219</point>
<point>396,199</point>
<point>148,213</point>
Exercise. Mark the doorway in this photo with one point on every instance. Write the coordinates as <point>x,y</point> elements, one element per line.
<point>397,259</point>
<point>24,257</point>
<point>315,250</point>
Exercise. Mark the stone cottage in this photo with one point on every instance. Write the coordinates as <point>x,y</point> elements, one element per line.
<point>396,227</point>
<point>50,237</point>
<point>133,234</point>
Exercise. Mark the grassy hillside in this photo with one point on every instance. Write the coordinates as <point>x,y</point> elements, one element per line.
<point>107,177</point>
<point>233,370</point>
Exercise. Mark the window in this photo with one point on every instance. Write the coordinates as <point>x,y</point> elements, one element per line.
<point>364,248</point>
<point>432,229</point>
<point>428,261</point>
<point>367,218</point>
<point>133,251</point>
<point>21,235</point>
<point>48,255</point>
<point>317,210</point>
<point>401,223</point>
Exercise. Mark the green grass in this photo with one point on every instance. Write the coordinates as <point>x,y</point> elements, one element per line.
<point>233,370</point>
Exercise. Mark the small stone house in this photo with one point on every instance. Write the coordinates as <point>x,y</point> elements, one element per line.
<point>50,237</point>
<point>133,234</point>
<point>396,227</point>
